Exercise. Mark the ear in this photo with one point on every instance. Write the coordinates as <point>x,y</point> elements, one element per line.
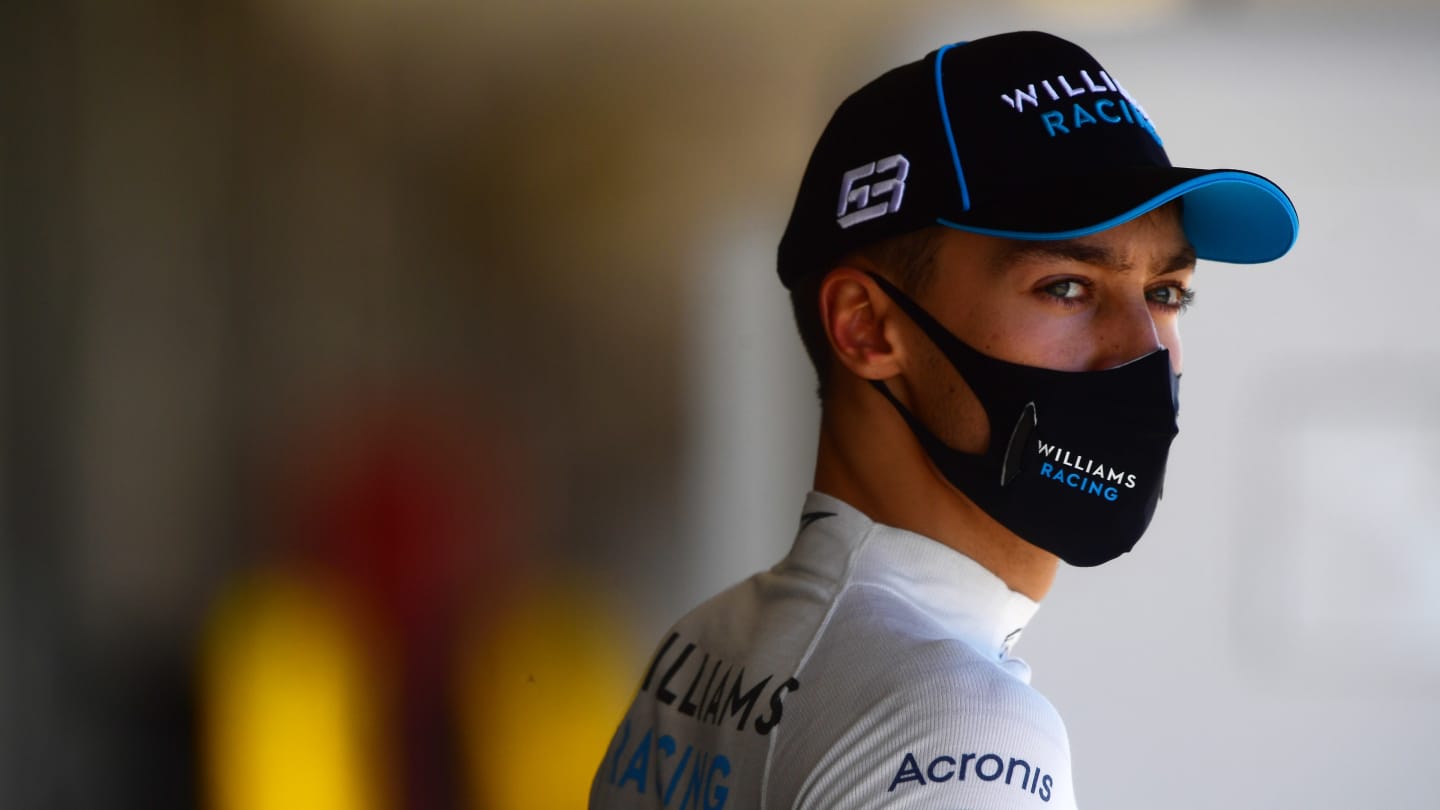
<point>859,320</point>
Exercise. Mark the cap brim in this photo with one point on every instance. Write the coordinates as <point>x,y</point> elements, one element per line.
<point>1237,217</point>
<point>1229,215</point>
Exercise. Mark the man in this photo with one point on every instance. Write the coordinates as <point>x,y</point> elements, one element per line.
<point>988,257</point>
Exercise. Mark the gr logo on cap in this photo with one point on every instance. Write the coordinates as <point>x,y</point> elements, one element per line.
<point>855,200</point>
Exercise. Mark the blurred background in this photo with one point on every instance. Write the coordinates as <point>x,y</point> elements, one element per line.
<point>381,378</point>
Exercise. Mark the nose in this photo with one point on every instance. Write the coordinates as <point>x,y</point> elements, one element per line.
<point>1126,332</point>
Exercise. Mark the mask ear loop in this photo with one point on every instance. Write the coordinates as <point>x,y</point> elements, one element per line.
<point>1014,451</point>
<point>930,440</point>
<point>1014,455</point>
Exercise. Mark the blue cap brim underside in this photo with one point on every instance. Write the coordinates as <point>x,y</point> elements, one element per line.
<point>1229,216</point>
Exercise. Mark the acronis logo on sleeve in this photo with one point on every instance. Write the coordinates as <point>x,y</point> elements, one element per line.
<point>987,768</point>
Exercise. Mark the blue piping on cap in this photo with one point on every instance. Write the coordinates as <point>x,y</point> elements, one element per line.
<point>945,119</point>
<point>1231,217</point>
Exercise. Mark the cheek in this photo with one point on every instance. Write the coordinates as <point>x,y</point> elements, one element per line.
<point>1025,334</point>
<point>947,405</point>
<point>1169,334</point>
<point>1062,343</point>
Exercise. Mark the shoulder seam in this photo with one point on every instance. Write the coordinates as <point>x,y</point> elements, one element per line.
<point>844,585</point>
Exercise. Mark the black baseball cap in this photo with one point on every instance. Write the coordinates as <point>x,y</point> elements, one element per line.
<point>1023,136</point>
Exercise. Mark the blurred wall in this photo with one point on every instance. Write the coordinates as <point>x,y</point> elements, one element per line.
<point>453,309</point>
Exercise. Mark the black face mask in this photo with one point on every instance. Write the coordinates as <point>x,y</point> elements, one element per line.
<point>1076,461</point>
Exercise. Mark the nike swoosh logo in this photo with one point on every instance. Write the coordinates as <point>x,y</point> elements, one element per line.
<point>810,517</point>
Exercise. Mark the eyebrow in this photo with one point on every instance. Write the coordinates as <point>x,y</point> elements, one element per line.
<point>1091,254</point>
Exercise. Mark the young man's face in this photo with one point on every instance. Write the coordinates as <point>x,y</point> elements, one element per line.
<point>1074,305</point>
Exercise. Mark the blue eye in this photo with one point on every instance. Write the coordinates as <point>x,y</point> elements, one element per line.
<point>1171,296</point>
<point>1069,289</point>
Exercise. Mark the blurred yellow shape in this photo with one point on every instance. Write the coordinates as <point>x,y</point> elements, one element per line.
<point>543,685</point>
<point>288,702</point>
